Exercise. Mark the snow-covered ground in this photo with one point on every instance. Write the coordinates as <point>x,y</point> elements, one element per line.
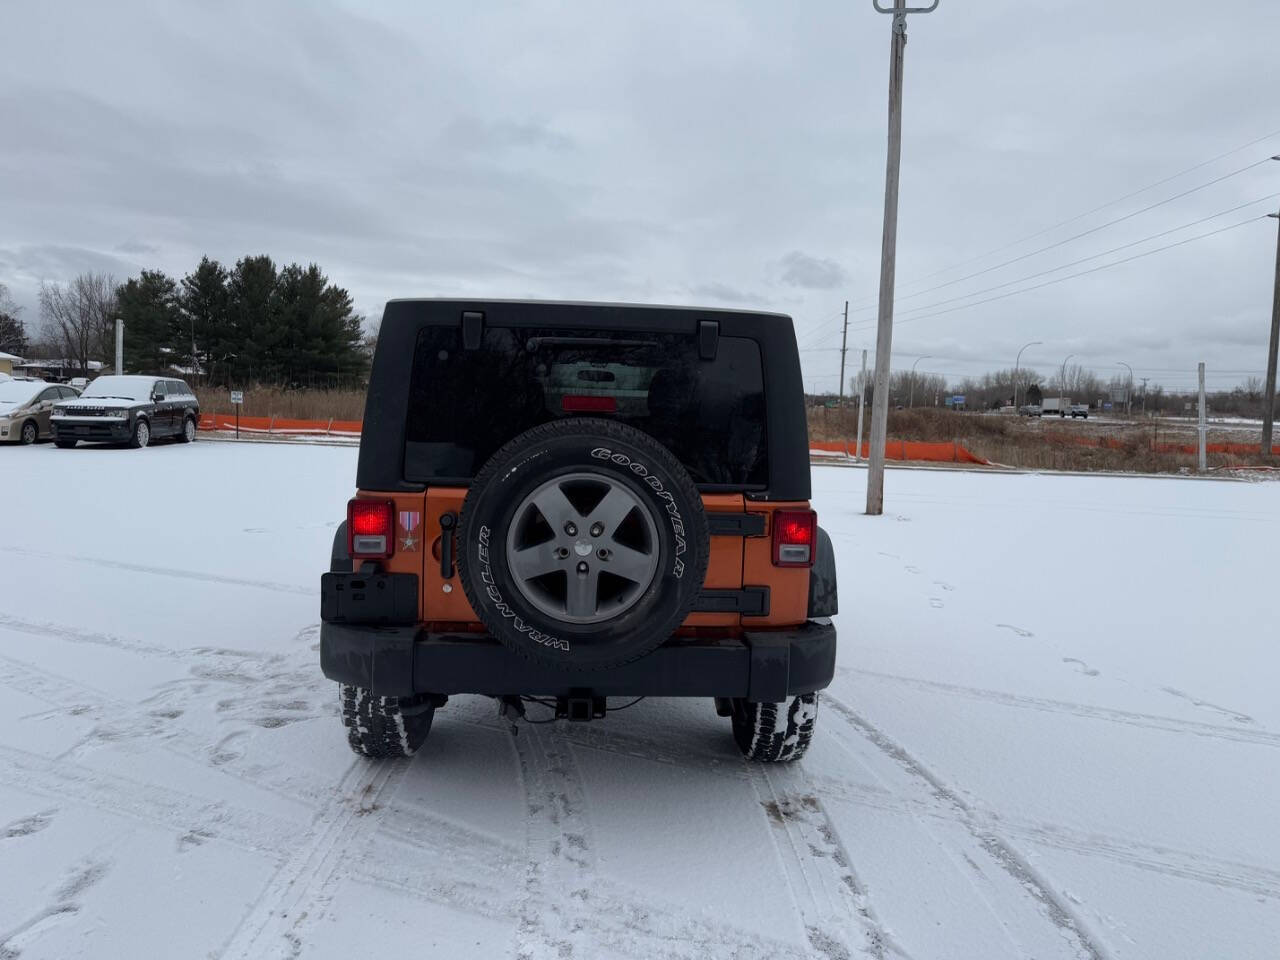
<point>1055,733</point>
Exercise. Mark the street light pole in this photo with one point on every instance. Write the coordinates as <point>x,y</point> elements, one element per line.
<point>1128,389</point>
<point>1016,362</point>
<point>888,254</point>
<point>1062,387</point>
<point>911,390</point>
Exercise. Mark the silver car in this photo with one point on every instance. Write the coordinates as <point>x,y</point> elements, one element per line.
<point>25,406</point>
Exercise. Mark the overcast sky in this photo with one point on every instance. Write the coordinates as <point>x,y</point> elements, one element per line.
<point>715,153</point>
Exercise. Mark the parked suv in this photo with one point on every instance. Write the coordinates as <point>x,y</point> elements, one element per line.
<point>578,502</point>
<point>128,409</point>
<point>25,408</point>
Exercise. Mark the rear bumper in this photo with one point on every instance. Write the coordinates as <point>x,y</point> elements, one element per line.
<point>766,666</point>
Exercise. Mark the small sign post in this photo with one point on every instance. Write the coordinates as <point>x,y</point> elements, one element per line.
<point>237,400</point>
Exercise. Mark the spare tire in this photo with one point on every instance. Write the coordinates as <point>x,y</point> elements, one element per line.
<point>582,544</point>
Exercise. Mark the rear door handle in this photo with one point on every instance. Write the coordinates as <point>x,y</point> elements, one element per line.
<point>447,523</point>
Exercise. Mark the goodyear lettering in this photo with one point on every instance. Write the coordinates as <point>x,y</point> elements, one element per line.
<point>668,501</point>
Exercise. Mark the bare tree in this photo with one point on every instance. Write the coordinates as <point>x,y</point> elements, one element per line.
<point>79,317</point>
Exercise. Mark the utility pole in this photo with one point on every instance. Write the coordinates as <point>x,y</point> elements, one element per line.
<point>844,340</point>
<point>1062,387</point>
<point>888,253</point>
<point>862,402</point>
<point>1144,394</point>
<point>119,346</point>
<point>1269,393</point>
<point>1202,429</point>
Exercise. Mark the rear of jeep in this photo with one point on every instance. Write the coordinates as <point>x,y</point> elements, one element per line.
<point>579,503</point>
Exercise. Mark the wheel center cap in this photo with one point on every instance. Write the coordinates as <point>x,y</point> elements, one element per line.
<point>582,548</point>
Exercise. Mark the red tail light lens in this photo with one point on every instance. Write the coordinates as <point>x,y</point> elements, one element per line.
<point>369,531</point>
<point>794,535</point>
<point>583,403</point>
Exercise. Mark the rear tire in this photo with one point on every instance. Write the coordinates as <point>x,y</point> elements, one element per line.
<point>775,732</point>
<point>188,434</point>
<point>384,727</point>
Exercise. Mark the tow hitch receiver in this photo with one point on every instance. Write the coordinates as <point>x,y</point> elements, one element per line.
<point>580,707</point>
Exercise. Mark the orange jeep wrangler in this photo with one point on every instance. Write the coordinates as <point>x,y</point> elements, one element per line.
<point>576,502</point>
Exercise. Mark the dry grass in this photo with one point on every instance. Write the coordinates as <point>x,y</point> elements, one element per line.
<point>1040,444</point>
<point>289,404</point>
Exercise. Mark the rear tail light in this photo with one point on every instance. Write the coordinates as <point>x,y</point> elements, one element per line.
<point>369,532</point>
<point>794,535</point>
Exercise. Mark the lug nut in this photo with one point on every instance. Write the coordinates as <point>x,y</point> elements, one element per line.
<point>562,552</point>
<point>597,528</point>
<point>582,566</point>
<point>602,553</point>
<point>571,528</point>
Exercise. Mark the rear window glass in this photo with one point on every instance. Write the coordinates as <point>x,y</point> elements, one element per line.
<point>465,404</point>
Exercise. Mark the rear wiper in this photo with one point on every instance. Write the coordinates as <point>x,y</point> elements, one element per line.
<point>534,343</point>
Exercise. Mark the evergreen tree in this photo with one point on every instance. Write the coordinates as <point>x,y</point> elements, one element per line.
<point>204,312</point>
<point>153,340</point>
<point>252,310</point>
<point>13,333</point>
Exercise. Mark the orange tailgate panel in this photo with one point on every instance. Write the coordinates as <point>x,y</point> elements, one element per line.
<point>724,568</point>
<point>442,599</point>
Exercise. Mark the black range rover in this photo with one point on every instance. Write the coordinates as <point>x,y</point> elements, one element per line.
<point>128,409</point>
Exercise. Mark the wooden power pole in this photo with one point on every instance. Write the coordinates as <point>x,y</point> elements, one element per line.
<point>1269,392</point>
<point>844,346</point>
<point>888,255</point>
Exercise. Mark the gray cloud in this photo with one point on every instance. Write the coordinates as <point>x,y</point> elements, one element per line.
<point>801,270</point>
<point>594,152</point>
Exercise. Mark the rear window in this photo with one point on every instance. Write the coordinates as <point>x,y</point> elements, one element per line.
<point>465,404</point>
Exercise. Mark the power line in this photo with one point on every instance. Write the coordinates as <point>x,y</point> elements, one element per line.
<point>1104,253</point>
<point>1082,234</point>
<point>1074,276</point>
<point>1097,209</point>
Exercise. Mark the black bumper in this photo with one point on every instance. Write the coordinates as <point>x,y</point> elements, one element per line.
<point>766,666</point>
<point>114,430</point>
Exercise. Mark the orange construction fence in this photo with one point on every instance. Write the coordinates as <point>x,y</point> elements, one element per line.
<point>943,452</point>
<point>227,421</point>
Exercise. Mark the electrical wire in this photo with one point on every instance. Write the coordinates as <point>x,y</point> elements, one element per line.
<point>1097,209</point>
<point>1070,276</point>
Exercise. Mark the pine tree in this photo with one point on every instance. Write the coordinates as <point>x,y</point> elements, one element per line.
<point>204,304</point>
<point>148,304</point>
<point>252,312</point>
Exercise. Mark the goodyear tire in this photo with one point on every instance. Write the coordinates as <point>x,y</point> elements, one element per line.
<point>582,544</point>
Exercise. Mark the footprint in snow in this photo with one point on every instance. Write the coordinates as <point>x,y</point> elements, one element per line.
<point>28,825</point>
<point>936,603</point>
<point>911,568</point>
<point>1018,630</point>
<point>943,584</point>
<point>1087,670</point>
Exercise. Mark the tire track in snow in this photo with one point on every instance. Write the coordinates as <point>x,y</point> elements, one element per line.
<point>147,803</point>
<point>831,900</point>
<point>995,848</point>
<point>1160,859</point>
<point>561,862</point>
<point>1152,721</point>
<point>293,892</point>
<point>166,571</point>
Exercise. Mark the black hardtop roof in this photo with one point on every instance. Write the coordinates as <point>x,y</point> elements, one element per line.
<point>382,439</point>
<point>600,315</point>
